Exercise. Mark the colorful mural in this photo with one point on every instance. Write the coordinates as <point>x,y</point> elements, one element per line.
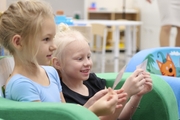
<point>164,62</point>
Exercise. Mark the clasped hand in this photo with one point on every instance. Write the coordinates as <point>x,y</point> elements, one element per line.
<point>139,83</point>
<point>106,101</point>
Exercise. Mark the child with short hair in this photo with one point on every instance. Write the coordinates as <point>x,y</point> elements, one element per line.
<point>27,29</point>
<point>72,59</point>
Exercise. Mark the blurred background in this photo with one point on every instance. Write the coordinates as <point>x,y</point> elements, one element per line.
<point>137,10</point>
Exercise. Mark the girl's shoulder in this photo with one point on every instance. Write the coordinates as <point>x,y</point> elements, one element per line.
<point>51,72</point>
<point>94,77</point>
<point>18,82</point>
<point>95,81</point>
<point>49,68</point>
<point>17,78</point>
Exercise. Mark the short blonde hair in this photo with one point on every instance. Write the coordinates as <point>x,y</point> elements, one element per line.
<point>24,18</point>
<point>64,36</point>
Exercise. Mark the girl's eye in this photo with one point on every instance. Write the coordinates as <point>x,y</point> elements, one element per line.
<point>46,39</point>
<point>89,57</point>
<point>79,58</point>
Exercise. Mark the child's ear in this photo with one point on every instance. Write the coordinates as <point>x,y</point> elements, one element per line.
<point>17,41</point>
<point>56,63</point>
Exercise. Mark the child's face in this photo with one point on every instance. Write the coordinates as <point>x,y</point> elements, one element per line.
<point>47,45</point>
<point>77,61</point>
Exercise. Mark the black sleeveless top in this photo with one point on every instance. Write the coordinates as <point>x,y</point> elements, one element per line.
<point>94,84</point>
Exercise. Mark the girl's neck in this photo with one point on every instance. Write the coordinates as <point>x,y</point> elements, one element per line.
<point>25,68</point>
<point>76,86</point>
<point>28,70</point>
<point>72,83</point>
<point>36,74</point>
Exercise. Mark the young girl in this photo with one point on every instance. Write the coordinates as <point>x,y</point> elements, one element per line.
<point>72,59</point>
<point>27,29</point>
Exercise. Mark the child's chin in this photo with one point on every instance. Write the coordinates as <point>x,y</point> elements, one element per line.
<point>86,76</point>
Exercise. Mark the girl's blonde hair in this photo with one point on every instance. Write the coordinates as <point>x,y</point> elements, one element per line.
<point>24,18</point>
<point>65,36</point>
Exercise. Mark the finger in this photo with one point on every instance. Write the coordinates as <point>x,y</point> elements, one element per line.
<point>149,84</point>
<point>146,73</point>
<point>148,87</point>
<point>147,76</point>
<point>137,72</point>
<point>139,77</point>
<point>142,82</point>
<point>109,97</point>
<point>122,95</point>
<point>112,99</point>
<point>119,91</point>
<point>119,106</point>
<point>141,87</point>
<point>110,90</point>
<point>121,100</point>
<point>102,92</point>
<point>148,80</point>
<point>112,93</point>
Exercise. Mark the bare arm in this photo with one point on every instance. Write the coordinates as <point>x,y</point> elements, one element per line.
<point>134,101</point>
<point>62,97</point>
<point>125,93</point>
<point>130,107</point>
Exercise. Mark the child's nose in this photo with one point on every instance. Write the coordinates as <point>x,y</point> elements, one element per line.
<point>53,47</point>
<point>87,62</point>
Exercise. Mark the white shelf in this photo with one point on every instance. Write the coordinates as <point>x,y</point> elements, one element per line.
<point>113,11</point>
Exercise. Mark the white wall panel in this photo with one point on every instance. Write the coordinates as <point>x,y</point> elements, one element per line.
<point>70,7</point>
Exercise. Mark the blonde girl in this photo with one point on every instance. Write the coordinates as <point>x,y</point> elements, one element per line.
<point>27,30</point>
<point>72,59</point>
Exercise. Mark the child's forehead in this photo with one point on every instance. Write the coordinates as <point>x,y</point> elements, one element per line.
<point>77,45</point>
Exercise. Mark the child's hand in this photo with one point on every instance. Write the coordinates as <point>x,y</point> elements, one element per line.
<point>147,85</point>
<point>105,105</point>
<point>122,96</point>
<point>96,97</point>
<point>135,83</point>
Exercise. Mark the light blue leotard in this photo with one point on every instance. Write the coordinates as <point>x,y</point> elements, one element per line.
<point>21,88</point>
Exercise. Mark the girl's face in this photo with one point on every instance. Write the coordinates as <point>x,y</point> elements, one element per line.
<point>77,61</point>
<point>47,45</point>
